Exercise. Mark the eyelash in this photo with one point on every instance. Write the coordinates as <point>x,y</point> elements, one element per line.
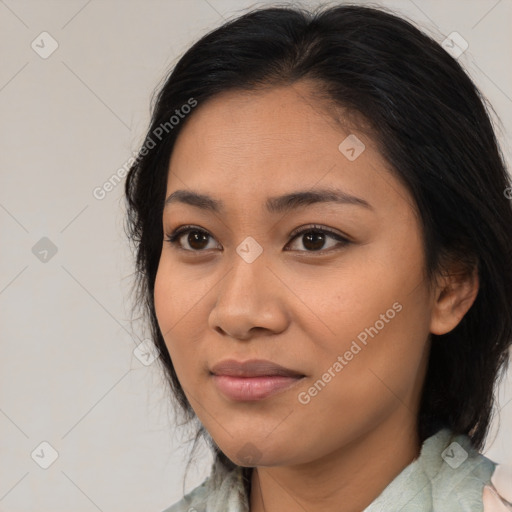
<point>173,238</point>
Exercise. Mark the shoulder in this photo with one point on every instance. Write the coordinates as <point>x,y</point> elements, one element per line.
<point>194,501</point>
<point>448,475</point>
<point>461,477</point>
<point>466,477</point>
<point>497,496</point>
<point>222,491</point>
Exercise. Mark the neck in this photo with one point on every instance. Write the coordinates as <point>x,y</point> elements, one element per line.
<point>352,477</point>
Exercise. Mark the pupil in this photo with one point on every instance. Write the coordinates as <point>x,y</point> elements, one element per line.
<point>319,238</point>
<point>195,236</point>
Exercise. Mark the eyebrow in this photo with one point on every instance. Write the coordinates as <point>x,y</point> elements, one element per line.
<point>279,204</point>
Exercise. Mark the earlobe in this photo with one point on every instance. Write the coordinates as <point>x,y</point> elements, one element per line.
<point>454,296</point>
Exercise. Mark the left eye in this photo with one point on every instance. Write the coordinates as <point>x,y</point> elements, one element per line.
<point>313,239</point>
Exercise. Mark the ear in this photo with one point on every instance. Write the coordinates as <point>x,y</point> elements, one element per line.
<point>455,293</point>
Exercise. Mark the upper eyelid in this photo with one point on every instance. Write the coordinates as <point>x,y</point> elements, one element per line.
<point>339,237</point>
<point>317,227</point>
<point>298,231</point>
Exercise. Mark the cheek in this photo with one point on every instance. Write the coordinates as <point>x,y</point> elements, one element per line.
<point>179,295</point>
<point>342,302</point>
<point>375,314</point>
<point>180,302</point>
<point>170,307</point>
<point>384,337</point>
<point>165,306</point>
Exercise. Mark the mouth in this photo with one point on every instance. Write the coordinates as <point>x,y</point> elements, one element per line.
<point>253,380</point>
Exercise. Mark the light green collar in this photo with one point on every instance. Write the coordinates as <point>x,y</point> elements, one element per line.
<point>449,475</point>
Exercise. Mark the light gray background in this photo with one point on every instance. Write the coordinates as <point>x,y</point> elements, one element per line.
<point>68,123</point>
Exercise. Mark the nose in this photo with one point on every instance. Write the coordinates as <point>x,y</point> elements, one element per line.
<point>251,299</point>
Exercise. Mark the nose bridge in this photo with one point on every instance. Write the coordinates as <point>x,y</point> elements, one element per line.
<point>249,267</point>
<point>245,299</point>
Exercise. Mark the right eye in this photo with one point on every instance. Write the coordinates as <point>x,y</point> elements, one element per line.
<point>196,238</point>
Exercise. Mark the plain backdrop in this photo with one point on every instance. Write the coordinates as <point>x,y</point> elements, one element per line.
<point>74,396</point>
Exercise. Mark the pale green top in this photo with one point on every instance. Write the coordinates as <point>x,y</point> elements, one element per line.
<point>449,475</point>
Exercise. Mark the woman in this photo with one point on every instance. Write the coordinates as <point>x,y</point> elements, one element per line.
<point>323,242</point>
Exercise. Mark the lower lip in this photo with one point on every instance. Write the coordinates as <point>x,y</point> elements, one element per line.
<point>253,388</point>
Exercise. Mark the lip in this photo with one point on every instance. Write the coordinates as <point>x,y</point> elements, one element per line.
<point>246,389</point>
<point>252,380</point>
<point>253,368</point>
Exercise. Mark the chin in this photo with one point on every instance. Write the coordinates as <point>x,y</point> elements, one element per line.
<point>250,453</point>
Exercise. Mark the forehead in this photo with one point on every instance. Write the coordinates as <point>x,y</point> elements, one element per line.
<point>269,142</point>
<point>288,118</point>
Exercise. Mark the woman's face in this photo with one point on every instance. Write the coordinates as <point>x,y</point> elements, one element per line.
<point>352,318</point>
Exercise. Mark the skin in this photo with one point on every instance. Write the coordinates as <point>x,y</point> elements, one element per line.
<point>298,307</point>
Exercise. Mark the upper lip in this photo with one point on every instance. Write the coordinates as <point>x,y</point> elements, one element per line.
<point>252,368</point>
